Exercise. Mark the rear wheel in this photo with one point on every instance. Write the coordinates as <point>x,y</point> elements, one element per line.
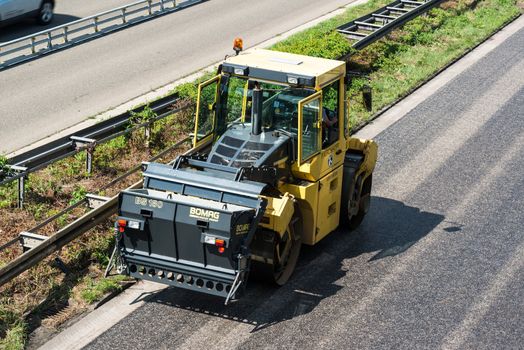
<point>353,221</point>
<point>45,13</point>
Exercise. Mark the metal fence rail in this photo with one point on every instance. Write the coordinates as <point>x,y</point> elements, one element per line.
<point>20,166</point>
<point>46,41</point>
<point>57,241</point>
<point>43,246</point>
<point>371,27</point>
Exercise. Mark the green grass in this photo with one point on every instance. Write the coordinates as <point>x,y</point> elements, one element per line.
<point>403,60</point>
<point>12,329</point>
<point>432,42</point>
<point>8,195</point>
<point>95,290</point>
<point>78,194</point>
<point>3,162</point>
<point>190,90</point>
<point>14,338</point>
<point>322,40</point>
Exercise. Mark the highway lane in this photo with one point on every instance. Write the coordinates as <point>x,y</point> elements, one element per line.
<point>437,263</point>
<point>65,11</point>
<point>52,93</point>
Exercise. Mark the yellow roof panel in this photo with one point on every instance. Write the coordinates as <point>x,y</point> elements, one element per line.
<point>288,63</point>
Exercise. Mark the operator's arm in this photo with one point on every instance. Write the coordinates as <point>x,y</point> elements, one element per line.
<point>327,121</point>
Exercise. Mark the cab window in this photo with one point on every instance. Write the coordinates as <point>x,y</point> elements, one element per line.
<point>330,124</point>
<point>206,108</point>
<point>309,124</point>
<point>235,98</point>
<point>232,92</point>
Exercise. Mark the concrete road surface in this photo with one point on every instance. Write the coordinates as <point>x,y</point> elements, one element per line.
<point>65,11</point>
<point>52,93</point>
<point>437,263</point>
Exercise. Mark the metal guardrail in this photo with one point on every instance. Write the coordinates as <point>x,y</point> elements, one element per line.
<point>58,240</point>
<point>46,41</point>
<point>20,166</point>
<point>42,246</point>
<point>371,27</point>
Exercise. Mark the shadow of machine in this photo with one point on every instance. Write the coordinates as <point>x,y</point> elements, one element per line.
<point>390,229</point>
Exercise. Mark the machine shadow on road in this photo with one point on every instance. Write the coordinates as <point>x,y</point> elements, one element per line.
<point>390,228</point>
<point>29,27</point>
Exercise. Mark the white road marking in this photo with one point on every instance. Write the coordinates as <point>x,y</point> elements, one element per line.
<point>402,108</point>
<point>456,338</point>
<point>455,136</point>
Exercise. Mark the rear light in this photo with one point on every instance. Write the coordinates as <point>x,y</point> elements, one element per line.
<point>220,244</point>
<point>217,242</point>
<point>122,225</point>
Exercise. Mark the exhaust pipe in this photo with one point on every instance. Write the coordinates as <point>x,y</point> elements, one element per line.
<point>256,111</point>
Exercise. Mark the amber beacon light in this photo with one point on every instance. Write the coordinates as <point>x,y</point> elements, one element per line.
<point>238,45</point>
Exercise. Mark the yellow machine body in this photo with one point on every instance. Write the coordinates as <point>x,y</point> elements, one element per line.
<point>317,194</point>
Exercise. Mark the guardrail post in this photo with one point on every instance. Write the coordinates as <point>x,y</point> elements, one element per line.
<point>162,5</point>
<point>147,134</point>
<point>89,145</point>
<point>89,159</point>
<point>33,50</point>
<point>66,29</point>
<point>124,21</point>
<point>367,97</point>
<point>49,41</point>
<point>174,3</point>
<point>149,6</point>
<point>94,201</point>
<point>96,24</point>
<point>29,240</point>
<point>21,192</point>
<point>21,183</point>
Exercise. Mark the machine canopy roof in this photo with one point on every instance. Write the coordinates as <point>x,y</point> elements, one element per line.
<point>279,66</point>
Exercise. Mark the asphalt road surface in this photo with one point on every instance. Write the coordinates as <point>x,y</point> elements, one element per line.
<point>62,89</point>
<point>437,263</point>
<point>65,11</point>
